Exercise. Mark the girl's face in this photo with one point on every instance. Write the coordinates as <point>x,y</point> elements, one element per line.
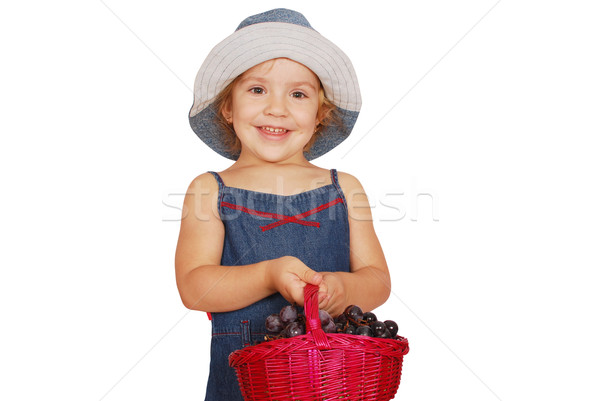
<point>273,109</point>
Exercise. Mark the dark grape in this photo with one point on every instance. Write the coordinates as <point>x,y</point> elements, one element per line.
<point>369,317</point>
<point>329,327</point>
<point>386,334</point>
<point>364,331</point>
<point>293,329</point>
<point>339,327</point>
<point>354,312</point>
<point>341,319</point>
<point>325,318</point>
<point>392,327</point>
<point>288,314</point>
<point>351,329</point>
<point>378,328</point>
<point>274,324</point>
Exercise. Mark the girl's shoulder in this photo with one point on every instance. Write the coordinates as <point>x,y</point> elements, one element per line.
<point>206,179</point>
<point>359,208</point>
<point>349,183</point>
<point>204,184</point>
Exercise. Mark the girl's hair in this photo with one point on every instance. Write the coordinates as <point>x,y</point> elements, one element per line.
<point>327,114</point>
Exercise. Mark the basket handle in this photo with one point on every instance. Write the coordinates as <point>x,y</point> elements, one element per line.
<point>311,310</point>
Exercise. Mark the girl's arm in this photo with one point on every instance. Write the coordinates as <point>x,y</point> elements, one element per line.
<point>206,285</point>
<point>368,283</point>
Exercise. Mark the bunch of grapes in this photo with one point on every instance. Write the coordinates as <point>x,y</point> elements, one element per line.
<point>285,324</point>
<point>354,321</point>
<point>289,323</point>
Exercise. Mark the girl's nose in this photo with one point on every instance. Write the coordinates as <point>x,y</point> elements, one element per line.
<point>276,106</point>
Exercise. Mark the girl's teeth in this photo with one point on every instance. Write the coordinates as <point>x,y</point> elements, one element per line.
<point>275,130</point>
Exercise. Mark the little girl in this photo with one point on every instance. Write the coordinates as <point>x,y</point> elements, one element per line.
<point>273,96</point>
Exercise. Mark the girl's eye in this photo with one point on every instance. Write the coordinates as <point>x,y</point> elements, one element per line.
<point>298,95</point>
<point>258,91</point>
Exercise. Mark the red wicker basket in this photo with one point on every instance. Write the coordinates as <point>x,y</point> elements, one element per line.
<point>320,366</point>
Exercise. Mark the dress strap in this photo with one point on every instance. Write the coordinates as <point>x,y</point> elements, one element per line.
<point>221,187</point>
<point>219,180</point>
<point>336,184</point>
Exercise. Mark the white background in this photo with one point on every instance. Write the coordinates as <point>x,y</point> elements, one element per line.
<point>495,120</point>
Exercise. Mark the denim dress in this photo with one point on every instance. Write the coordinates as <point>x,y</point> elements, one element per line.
<point>312,226</point>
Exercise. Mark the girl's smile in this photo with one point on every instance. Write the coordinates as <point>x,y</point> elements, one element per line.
<point>273,134</point>
<point>274,110</point>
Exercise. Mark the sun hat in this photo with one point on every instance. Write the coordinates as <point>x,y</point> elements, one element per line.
<point>278,33</point>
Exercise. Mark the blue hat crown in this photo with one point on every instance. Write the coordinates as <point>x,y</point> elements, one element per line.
<point>276,15</point>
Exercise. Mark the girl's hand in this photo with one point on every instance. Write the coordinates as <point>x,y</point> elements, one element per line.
<point>334,300</point>
<point>288,275</point>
